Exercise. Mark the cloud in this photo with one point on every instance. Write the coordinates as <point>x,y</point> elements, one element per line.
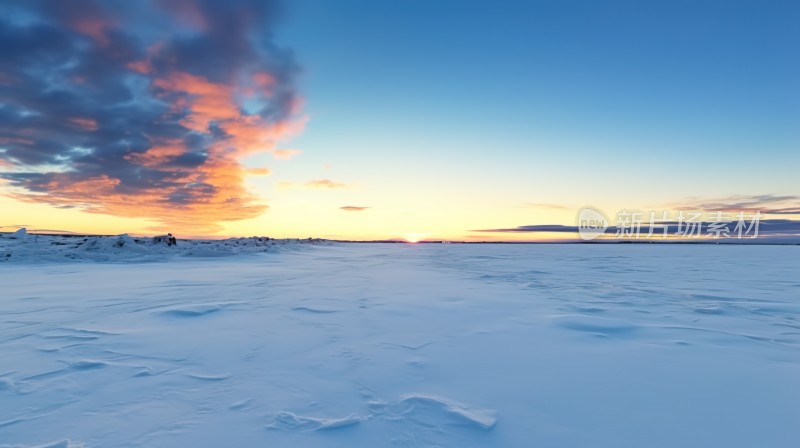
<point>14,226</point>
<point>765,203</point>
<point>59,231</point>
<point>546,206</point>
<point>318,184</point>
<point>533,228</point>
<point>766,227</point>
<point>352,208</point>
<point>285,154</point>
<point>143,108</point>
<point>324,183</point>
<point>259,171</point>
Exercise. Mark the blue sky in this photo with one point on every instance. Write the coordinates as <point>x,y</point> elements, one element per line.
<point>641,91</point>
<point>418,117</point>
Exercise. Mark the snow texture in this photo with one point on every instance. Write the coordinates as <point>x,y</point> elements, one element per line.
<point>396,345</point>
<point>23,247</point>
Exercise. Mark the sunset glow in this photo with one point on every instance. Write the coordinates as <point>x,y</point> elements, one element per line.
<point>414,237</point>
<point>217,119</point>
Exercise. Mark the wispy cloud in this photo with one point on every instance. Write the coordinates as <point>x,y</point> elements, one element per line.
<point>352,208</point>
<point>767,227</point>
<point>533,229</point>
<point>285,154</point>
<point>143,108</point>
<point>324,183</point>
<point>259,171</point>
<point>545,206</point>
<point>318,184</point>
<point>765,203</point>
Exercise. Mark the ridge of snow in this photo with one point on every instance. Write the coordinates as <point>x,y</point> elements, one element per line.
<point>21,247</point>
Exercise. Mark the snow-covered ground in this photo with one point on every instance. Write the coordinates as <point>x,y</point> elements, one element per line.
<point>24,247</point>
<point>391,345</point>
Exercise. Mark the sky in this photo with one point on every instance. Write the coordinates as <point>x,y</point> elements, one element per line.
<point>436,119</point>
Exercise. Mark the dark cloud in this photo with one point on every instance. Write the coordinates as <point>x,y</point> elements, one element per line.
<point>142,108</point>
<point>766,227</point>
<point>765,203</point>
<point>534,228</point>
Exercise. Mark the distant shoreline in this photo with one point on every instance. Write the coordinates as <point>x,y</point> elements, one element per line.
<point>743,242</point>
<point>756,242</point>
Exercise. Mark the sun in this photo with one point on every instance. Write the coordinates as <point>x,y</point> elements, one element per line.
<point>414,238</point>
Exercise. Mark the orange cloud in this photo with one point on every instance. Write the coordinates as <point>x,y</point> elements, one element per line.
<point>142,67</point>
<point>17,140</point>
<point>263,84</point>
<point>259,171</point>
<point>84,123</point>
<point>285,154</point>
<point>324,183</point>
<point>159,153</point>
<point>94,28</point>
<point>173,155</point>
<point>319,184</point>
<point>197,205</point>
<point>207,101</point>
